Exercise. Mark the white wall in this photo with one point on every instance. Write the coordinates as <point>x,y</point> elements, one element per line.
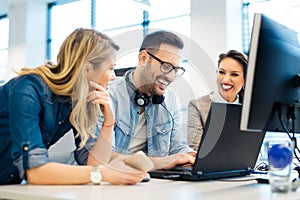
<point>27,34</point>
<point>216,25</point>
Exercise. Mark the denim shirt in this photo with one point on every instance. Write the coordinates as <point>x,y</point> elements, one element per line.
<point>164,135</point>
<point>32,118</point>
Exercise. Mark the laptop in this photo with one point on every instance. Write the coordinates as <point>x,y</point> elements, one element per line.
<point>224,151</point>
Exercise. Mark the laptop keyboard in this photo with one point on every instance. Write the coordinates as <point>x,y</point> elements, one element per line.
<point>176,171</point>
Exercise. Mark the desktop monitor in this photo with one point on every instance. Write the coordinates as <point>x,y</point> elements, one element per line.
<point>272,88</point>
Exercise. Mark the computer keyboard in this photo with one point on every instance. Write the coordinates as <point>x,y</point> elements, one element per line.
<point>168,172</point>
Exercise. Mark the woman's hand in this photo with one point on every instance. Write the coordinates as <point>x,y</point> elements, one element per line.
<point>100,96</point>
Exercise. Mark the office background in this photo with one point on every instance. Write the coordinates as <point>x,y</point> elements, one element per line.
<point>32,31</point>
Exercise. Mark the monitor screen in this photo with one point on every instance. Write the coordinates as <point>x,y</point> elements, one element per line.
<point>272,88</point>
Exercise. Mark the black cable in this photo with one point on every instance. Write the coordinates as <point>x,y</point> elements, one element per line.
<point>293,139</point>
<point>263,166</point>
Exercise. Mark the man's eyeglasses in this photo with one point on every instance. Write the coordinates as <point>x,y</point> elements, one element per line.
<point>166,67</point>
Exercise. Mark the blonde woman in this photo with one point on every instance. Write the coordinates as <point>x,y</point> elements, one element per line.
<point>42,104</point>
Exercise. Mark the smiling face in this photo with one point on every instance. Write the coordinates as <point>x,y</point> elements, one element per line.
<point>230,79</point>
<point>150,79</point>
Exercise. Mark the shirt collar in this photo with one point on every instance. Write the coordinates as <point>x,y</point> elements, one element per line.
<point>216,97</point>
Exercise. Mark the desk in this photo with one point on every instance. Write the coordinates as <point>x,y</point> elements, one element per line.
<point>156,189</point>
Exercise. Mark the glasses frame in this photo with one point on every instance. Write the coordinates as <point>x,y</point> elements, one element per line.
<point>179,71</point>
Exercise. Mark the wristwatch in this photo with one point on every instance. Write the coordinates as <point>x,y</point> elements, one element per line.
<point>96,175</point>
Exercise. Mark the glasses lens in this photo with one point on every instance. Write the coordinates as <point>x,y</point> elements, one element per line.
<point>179,72</point>
<point>166,67</point>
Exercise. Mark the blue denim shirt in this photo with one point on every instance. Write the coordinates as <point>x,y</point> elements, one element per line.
<point>163,121</point>
<point>32,118</point>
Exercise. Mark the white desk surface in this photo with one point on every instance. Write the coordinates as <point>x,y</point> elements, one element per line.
<point>156,189</point>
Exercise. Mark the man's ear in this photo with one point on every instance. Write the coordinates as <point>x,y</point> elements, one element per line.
<point>143,57</point>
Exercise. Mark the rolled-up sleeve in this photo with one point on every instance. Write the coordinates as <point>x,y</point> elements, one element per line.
<point>31,159</point>
<point>28,150</point>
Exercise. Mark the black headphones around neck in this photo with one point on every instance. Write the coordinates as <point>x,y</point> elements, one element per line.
<point>141,99</point>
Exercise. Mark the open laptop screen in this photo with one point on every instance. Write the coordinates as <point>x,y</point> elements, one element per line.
<point>224,146</point>
<point>224,151</point>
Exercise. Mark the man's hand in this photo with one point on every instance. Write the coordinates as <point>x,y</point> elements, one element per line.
<point>168,162</point>
<point>194,154</point>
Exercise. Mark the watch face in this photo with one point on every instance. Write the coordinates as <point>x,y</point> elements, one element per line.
<point>96,177</point>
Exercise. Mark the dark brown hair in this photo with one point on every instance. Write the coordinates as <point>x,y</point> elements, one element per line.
<point>155,39</point>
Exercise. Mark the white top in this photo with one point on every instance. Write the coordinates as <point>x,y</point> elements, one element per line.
<point>139,140</point>
<point>216,97</point>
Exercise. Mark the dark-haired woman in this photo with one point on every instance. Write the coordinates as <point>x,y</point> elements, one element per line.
<point>231,73</point>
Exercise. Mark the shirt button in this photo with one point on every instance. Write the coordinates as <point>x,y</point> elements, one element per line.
<point>163,130</point>
<point>25,148</point>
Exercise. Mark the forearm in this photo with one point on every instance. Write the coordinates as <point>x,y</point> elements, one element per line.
<point>102,150</point>
<point>165,162</point>
<point>58,174</point>
<point>115,154</point>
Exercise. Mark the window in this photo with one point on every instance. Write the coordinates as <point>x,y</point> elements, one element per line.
<point>168,9</point>
<point>116,14</point>
<point>4,27</point>
<point>63,19</point>
<point>114,17</point>
<point>142,15</point>
<point>168,14</point>
<point>282,11</point>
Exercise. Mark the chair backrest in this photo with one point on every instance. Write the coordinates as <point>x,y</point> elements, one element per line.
<point>122,71</point>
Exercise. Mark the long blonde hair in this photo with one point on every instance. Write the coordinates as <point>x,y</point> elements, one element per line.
<point>66,78</point>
